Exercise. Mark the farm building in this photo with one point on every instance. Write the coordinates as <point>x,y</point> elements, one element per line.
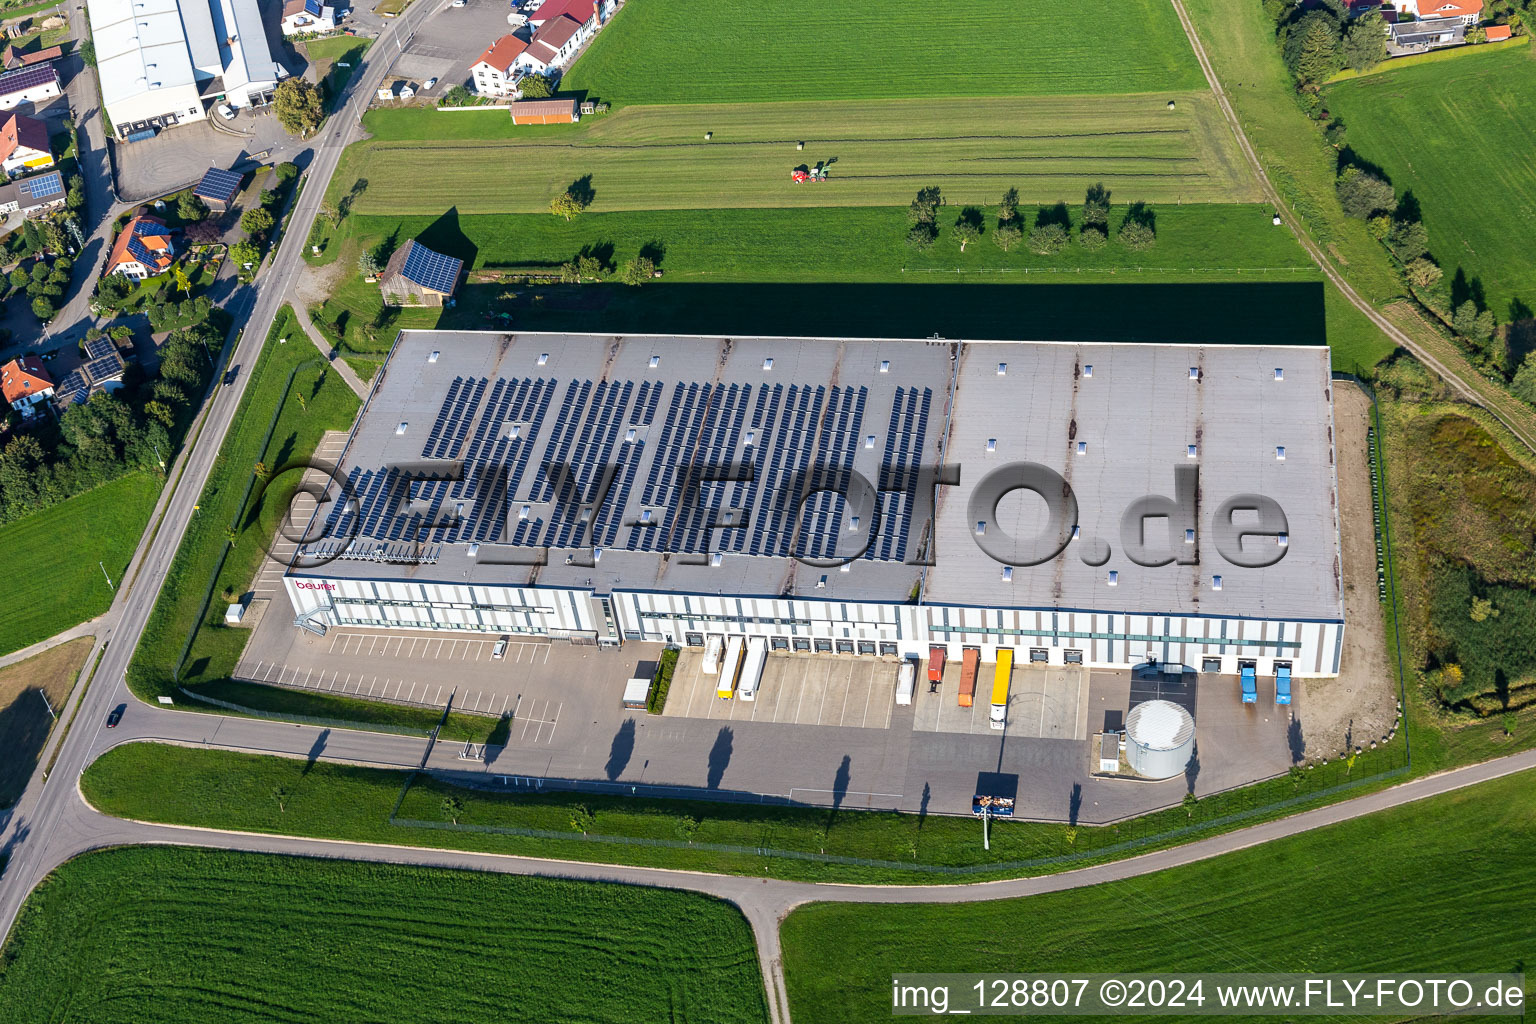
<point>417,276</point>
<point>218,188</point>
<point>1101,504</point>
<point>556,111</point>
<point>13,58</point>
<point>32,85</point>
<point>24,145</point>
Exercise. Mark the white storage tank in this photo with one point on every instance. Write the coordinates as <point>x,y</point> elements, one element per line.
<point>1159,738</point>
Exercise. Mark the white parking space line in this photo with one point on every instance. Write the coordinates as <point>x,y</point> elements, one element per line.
<point>555,723</point>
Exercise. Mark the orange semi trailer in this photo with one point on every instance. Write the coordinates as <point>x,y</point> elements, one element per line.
<point>968,667</point>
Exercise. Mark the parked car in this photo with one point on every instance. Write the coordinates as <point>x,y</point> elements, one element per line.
<point>226,111</point>
<point>458,3</point>
<point>430,83</point>
<point>116,716</point>
<point>500,650</point>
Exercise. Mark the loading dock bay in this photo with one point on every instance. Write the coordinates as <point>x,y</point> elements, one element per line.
<point>1044,702</point>
<point>796,689</point>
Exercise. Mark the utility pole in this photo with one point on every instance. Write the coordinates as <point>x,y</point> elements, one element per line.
<point>109,578</point>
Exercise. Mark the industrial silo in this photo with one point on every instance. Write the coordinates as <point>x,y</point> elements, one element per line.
<point>1159,738</point>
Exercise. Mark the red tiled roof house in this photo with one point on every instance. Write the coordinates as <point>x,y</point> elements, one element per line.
<point>26,385</point>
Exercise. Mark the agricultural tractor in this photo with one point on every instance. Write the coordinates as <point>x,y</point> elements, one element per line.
<point>803,174</point>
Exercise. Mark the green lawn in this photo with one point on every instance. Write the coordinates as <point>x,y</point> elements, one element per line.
<point>1239,39</point>
<point>1459,135</point>
<point>331,406</point>
<point>328,55</point>
<point>1404,890</point>
<point>657,157</point>
<point>102,525</point>
<point>199,935</point>
<point>711,51</point>
<point>1194,242</point>
<point>224,789</point>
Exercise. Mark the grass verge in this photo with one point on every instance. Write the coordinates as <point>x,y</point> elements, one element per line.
<point>88,538</point>
<point>225,506</point>
<point>1302,904</point>
<point>25,722</point>
<point>351,941</point>
<point>224,789</point>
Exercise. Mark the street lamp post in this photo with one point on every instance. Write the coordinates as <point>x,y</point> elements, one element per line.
<point>109,578</point>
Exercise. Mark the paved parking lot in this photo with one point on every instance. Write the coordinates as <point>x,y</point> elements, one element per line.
<point>449,41</point>
<point>1044,702</point>
<point>796,689</point>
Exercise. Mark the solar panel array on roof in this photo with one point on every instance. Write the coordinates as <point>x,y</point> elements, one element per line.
<point>104,368</point>
<point>314,8</point>
<point>431,269</point>
<point>27,78</point>
<point>99,348</point>
<point>43,186</point>
<point>218,184</point>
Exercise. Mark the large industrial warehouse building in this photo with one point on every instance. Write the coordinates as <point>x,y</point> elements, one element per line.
<point>477,498</point>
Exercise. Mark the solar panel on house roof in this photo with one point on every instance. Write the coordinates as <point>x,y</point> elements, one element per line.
<point>43,185</point>
<point>218,184</point>
<point>313,7</point>
<point>27,78</point>
<point>103,369</point>
<point>430,269</point>
<point>100,348</point>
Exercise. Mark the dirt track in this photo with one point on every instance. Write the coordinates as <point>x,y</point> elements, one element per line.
<point>1361,704</point>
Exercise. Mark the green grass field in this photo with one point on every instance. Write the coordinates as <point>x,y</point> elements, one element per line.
<point>228,790</point>
<point>1239,39</point>
<point>1405,890</point>
<point>331,406</point>
<point>850,244</point>
<point>702,51</point>
<point>102,525</point>
<point>172,934</point>
<point>1459,135</point>
<point>656,157</point>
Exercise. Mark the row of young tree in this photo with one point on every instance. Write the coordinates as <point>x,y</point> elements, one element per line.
<point>111,434</point>
<point>1050,233</point>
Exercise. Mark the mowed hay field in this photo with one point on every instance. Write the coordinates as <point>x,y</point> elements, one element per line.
<point>881,152</point>
<point>1439,885</point>
<point>1460,135</point>
<point>169,934</point>
<point>704,51</point>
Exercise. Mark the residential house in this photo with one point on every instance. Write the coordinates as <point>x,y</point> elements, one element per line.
<point>24,145</point>
<point>143,249</point>
<point>29,85</point>
<point>26,385</point>
<point>1417,25</point>
<point>304,16</point>
<point>552,111</point>
<point>417,276</point>
<point>1463,12</point>
<point>493,74</point>
<point>34,196</point>
<point>14,59</point>
<point>554,44</point>
<point>218,188</point>
<point>583,11</point>
<point>102,371</point>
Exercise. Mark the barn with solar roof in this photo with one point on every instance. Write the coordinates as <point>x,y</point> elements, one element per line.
<point>417,276</point>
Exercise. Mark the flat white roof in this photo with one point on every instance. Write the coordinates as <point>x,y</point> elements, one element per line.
<point>1113,422</point>
<point>140,48</point>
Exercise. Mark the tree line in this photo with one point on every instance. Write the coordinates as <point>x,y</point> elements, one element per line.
<point>1050,233</point>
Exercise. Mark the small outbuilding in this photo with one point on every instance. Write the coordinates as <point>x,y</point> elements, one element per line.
<point>218,188</point>
<point>417,276</point>
<point>552,111</point>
